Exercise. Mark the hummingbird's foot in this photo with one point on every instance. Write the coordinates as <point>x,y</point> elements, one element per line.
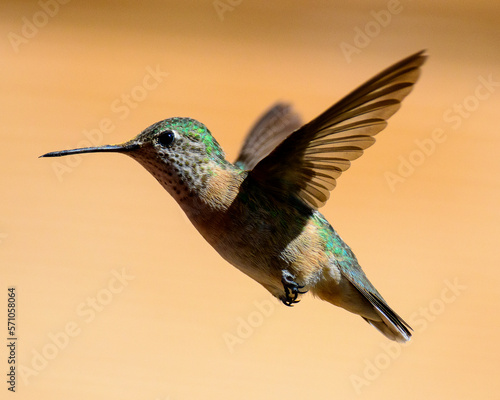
<point>292,289</point>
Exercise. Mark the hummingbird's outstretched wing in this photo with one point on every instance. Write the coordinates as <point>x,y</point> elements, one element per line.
<point>310,160</point>
<point>270,130</point>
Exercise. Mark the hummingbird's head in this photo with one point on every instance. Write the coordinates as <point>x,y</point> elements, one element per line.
<point>180,153</point>
<point>178,143</point>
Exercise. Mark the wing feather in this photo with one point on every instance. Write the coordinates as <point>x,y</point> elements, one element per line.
<point>269,131</point>
<point>309,161</point>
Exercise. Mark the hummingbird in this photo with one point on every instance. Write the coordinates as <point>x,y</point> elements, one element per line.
<point>260,213</point>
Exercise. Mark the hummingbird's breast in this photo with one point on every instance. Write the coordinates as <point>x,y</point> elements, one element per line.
<point>260,234</point>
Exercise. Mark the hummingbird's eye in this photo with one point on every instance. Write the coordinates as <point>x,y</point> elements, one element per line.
<point>166,138</point>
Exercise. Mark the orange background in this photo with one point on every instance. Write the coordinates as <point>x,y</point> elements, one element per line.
<point>176,328</point>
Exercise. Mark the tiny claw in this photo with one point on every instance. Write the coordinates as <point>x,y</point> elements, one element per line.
<point>289,303</point>
<point>291,289</point>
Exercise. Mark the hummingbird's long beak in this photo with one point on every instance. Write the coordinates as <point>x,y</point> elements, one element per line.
<point>116,148</point>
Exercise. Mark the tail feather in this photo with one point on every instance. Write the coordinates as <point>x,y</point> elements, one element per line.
<point>391,324</point>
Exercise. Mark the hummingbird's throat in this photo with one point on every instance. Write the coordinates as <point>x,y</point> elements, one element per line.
<point>183,179</point>
<point>200,188</point>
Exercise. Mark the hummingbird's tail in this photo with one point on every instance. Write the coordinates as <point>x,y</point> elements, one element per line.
<point>360,297</point>
<point>390,324</point>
